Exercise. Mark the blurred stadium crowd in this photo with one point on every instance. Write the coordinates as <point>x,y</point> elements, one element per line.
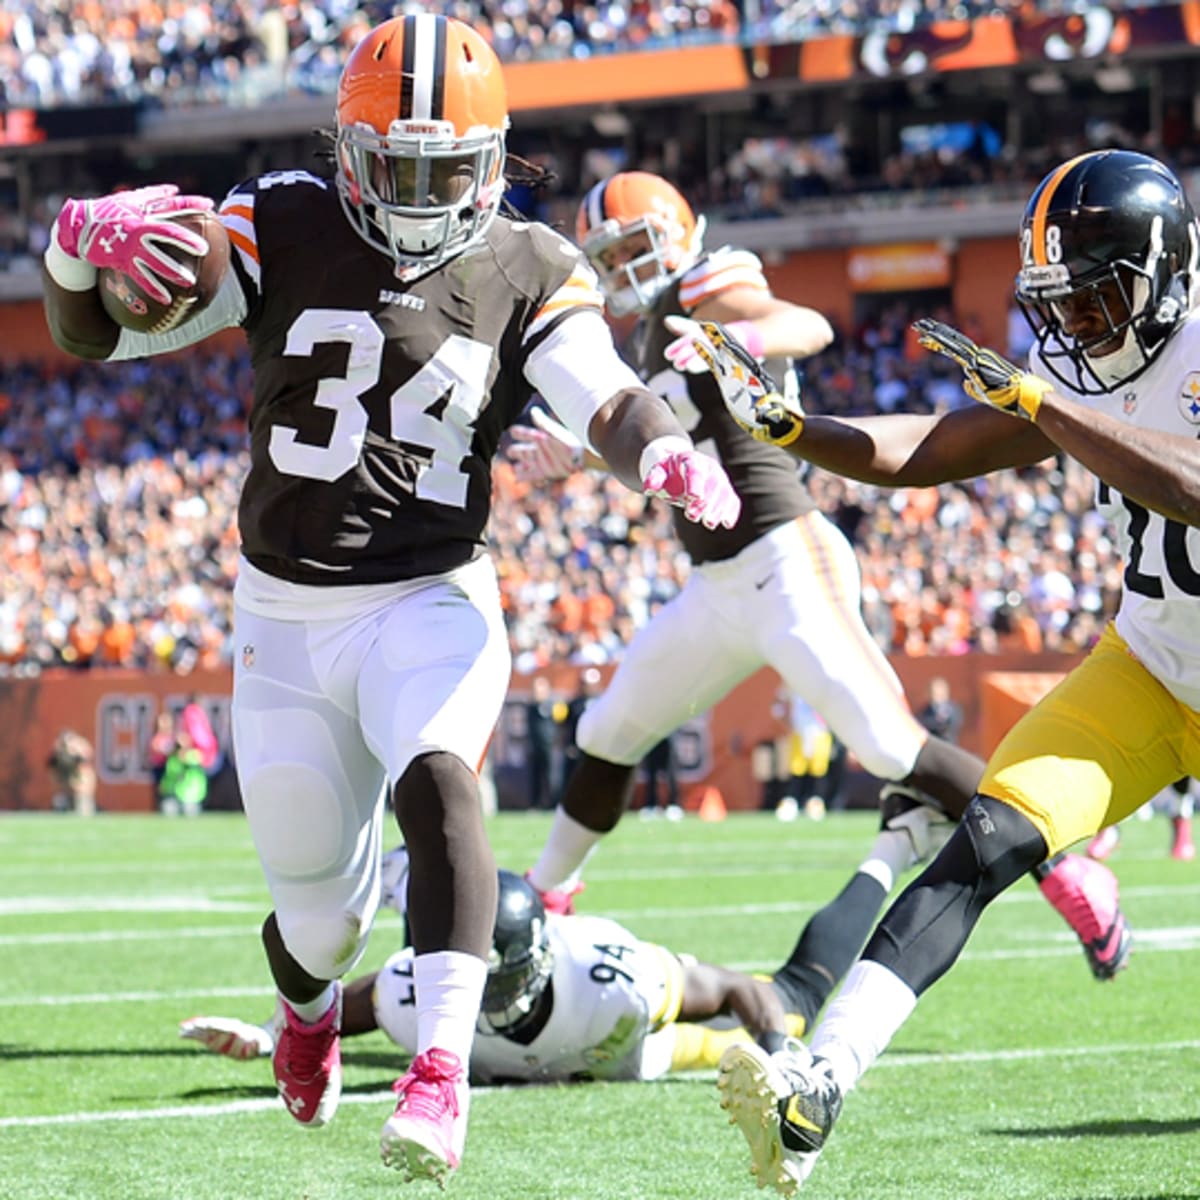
<point>118,491</point>
<point>172,52</point>
<point>118,485</point>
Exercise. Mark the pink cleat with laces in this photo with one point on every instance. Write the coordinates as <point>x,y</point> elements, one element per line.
<point>308,1064</point>
<point>424,1137</point>
<point>1085,894</point>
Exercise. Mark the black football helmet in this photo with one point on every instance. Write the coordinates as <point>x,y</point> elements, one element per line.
<point>520,962</point>
<point>1111,217</point>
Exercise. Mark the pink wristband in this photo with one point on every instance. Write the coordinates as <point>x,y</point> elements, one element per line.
<point>748,334</point>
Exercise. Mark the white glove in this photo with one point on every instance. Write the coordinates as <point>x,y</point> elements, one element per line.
<point>549,452</point>
<point>749,392</point>
<point>682,353</point>
<point>229,1036</point>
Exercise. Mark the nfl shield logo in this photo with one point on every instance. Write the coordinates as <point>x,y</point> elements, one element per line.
<point>1189,398</point>
<point>247,655</point>
<point>1129,403</point>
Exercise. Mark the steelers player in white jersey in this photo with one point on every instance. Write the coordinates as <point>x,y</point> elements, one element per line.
<point>1109,252</point>
<point>398,323</point>
<point>781,588</point>
<point>567,998</point>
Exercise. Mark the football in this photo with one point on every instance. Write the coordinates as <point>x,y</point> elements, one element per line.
<point>131,308</point>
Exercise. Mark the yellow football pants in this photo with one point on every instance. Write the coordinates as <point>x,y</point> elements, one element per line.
<point>1102,743</point>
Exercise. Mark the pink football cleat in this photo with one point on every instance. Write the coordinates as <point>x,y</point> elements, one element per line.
<point>308,1064</point>
<point>560,901</point>
<point>424,1137</point>
<point>1182,846</point>
<point>1085,893</point>
<point>1104,843</point>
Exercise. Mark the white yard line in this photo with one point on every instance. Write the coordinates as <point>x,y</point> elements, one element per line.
<point>899,1060</point>
<point>1148,941</point>
<point>25,906</point>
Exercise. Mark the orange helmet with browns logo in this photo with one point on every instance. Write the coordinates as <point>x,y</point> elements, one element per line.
<point>421,118</point>
<point>662,232</point>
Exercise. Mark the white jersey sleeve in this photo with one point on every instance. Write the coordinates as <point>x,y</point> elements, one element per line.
<point>577,369</point>
<point>611,994</point>
<point>1159,613</point>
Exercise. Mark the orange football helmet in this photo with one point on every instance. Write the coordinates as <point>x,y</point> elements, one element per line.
<point>664,235</point>
<point>421,117</point>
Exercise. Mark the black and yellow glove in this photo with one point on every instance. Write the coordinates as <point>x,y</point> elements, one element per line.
<point>987,377</point>
<point>750,394</point>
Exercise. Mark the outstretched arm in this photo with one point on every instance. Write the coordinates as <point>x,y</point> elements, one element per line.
<point>910,450</point>
<point>710,991</point>
<point>1158,470</point>
<point>897,450</point>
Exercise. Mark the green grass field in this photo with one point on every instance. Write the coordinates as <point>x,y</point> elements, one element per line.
<point>1018,1076</point>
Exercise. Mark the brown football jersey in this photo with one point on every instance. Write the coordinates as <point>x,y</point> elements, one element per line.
<point>765,477</point>
<point>378,405</point>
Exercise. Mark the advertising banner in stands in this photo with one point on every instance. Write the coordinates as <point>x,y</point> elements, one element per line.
<point>901,267</point>
<point>1011,40</point>
<point>616,78</point>
<point>117,711</point>
<point>1091,32</point>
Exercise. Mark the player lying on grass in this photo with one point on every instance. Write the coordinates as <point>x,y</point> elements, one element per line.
<point>566,997</point>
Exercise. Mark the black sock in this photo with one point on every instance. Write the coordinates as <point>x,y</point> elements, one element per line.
<point>828,946</point>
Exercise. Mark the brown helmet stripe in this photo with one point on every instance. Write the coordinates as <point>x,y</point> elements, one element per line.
<point>407,72</point>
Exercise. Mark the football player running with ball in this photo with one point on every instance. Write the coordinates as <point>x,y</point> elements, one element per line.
<point>398,324</point>
<point>1109,252</point>
<point>781,588</point>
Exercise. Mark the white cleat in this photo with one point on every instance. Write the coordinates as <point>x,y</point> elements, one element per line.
<point>753,1089</point>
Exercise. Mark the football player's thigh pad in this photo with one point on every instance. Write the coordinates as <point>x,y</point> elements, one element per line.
<point>312,792</point>
<point>1095,749</point>
<point>439,671</point>
<point>677,665</point>
<point>820,645</point>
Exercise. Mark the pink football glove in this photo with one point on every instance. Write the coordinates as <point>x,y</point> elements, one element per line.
<point>697,484</point>
<point>542,455</point>
<point>120,231</point>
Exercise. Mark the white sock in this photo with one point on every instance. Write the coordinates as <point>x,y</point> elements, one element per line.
<point>890,856</point>
<point>567,847</point>
<point>872,1005</point>
<point>449,988</point>
<point>314,1010</point>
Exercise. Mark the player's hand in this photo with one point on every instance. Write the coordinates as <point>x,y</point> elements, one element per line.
<point>132,232</point>
<point>228,1036</point>
<point>987,377</point>
<point>549,452</point>
<point>684,357</point>
<point>750,394</point>
<point>696,483</point>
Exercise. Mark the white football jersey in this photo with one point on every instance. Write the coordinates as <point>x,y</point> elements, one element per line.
<point>1159,616</point>
<point>615,997</point>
